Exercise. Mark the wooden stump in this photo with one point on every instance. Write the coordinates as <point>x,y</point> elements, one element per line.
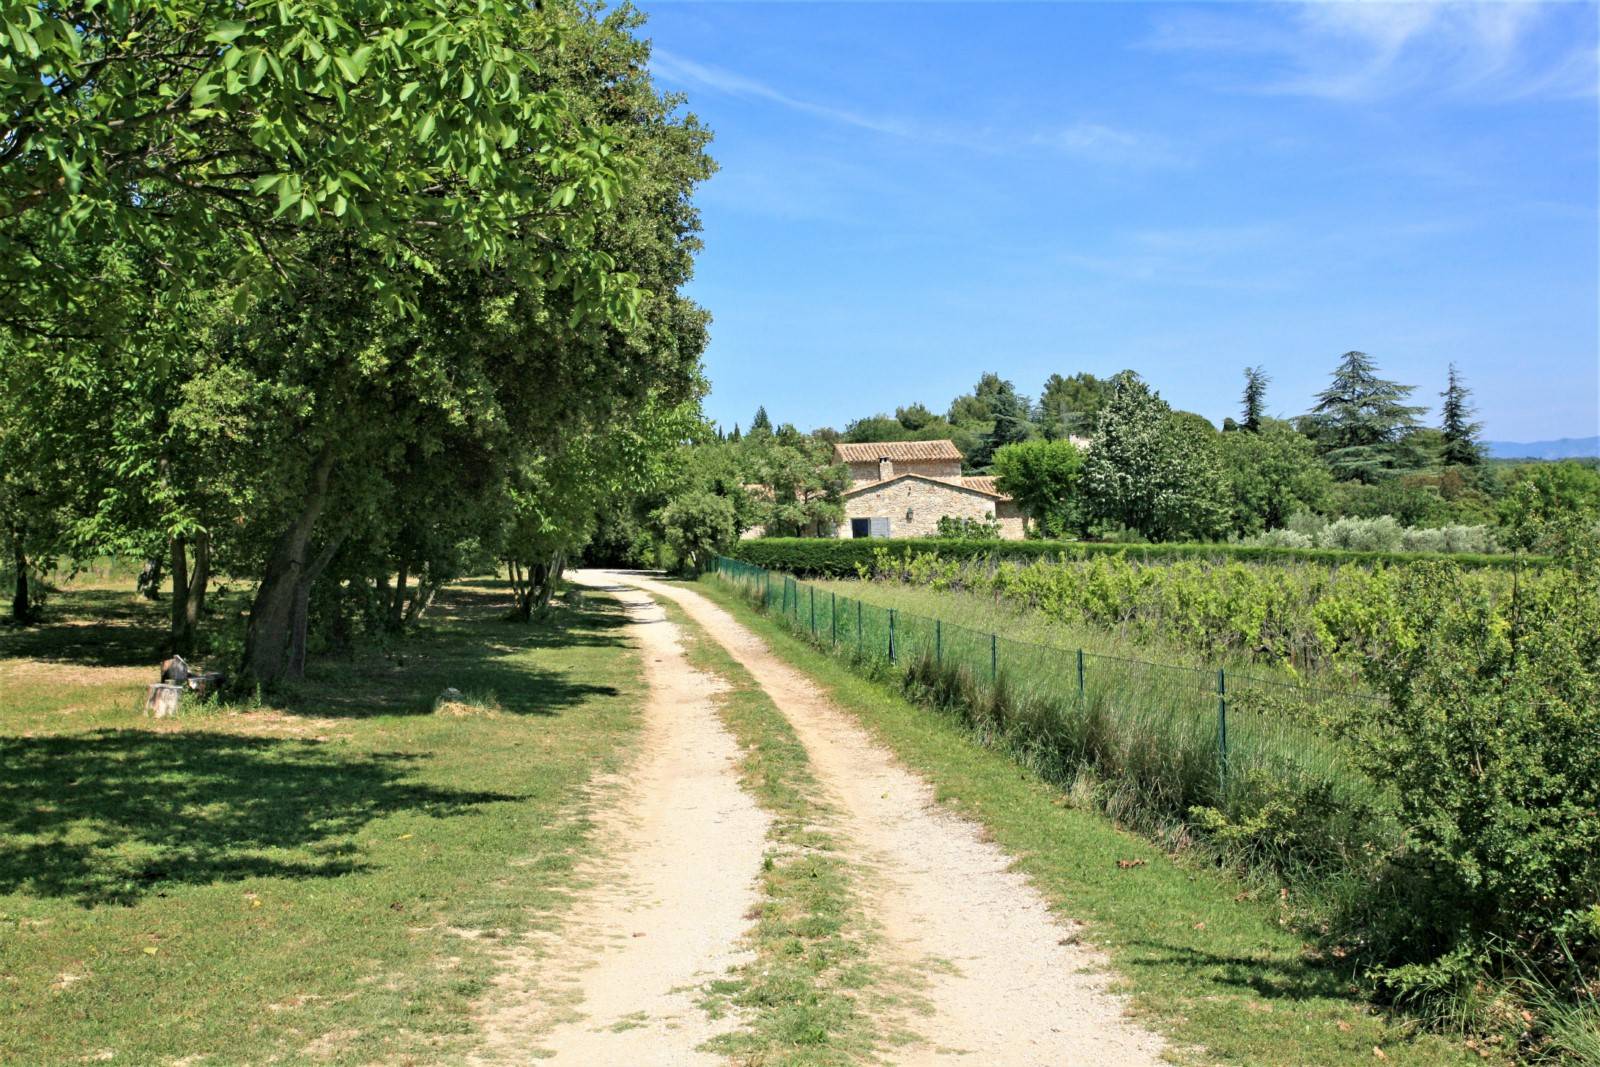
<point>207,684</point>
<point>162,700</point>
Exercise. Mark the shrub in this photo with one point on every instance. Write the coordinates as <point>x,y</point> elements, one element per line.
<point>1381,534</point>
<point>962,529</point>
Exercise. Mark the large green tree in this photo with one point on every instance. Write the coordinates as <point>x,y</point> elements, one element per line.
<point>1270,474</point>
<point>1068,405</point>
<point>1045,478</point>
<point>1153,470</point>
<point>1361,421</point>
<point>1460,433</point>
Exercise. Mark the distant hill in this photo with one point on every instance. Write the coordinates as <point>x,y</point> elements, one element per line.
<point>1564,448</point>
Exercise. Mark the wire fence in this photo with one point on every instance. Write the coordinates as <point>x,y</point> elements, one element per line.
<point>1180,736</point>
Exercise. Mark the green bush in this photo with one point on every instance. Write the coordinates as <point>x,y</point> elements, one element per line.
<point>844,557</point>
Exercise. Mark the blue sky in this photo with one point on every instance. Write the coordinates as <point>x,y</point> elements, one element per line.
<point>910,195</point>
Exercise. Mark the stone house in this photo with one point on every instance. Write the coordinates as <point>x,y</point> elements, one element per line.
<point>903,489</point>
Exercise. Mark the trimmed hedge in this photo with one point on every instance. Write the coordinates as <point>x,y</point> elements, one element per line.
<point>837,557</point>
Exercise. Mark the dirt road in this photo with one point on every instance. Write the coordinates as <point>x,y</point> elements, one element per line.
<point>1006,983</point>
<point>674,877</point>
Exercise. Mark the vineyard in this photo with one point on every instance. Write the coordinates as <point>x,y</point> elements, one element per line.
<point>1407,750</point>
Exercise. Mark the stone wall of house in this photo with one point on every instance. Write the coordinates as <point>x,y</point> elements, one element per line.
<point>948,470</point>
<point>927,502</point>
<point>1013,525</point>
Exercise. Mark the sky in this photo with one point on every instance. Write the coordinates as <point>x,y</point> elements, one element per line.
<point>911,195</point>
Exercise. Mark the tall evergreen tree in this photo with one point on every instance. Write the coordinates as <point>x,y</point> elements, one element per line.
<point>761,423</point>
<point>1255,394</point>
<point>1361,421</point>
<point>1461,445</point>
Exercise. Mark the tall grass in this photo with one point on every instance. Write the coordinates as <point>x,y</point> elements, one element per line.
<point>1243,766</point>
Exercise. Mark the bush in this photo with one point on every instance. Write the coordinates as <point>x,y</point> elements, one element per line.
<point>960,529</point>
<point>1381,534</point>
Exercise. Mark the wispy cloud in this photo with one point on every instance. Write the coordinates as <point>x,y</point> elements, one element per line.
<point>1094,142</point>
<point>680,69</point>
<point>1369,51</point>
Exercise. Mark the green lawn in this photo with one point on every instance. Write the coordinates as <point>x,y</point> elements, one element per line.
<point>1207,960</point>
<point>289,881</point>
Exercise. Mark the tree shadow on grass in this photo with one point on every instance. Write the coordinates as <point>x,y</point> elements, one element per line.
<point>1271,979</point>
<point>112,816</point>
<point>92,628</point>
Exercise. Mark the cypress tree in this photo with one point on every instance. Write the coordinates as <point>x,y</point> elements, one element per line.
<point>1255,393</point>
<point>761,422</point>
<point>1461,446</point>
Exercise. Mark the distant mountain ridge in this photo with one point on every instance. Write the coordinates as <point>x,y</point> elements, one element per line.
<point>1561,448</point>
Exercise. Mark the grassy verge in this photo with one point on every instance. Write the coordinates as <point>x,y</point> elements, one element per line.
<point>1210,960</point>
<point>808,994</point>
<point>288,882</point>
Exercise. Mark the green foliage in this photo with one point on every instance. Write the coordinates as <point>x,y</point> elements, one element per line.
<point>1361,421</point>
<point>1460,434</point>
<point>1270,473</point>
<point>1045,479</point>
<point>1068,406</point>
<point>843,557</point>
<point>1491,737</point>
<point>1254,399</point>
<point>1152,469</point>
<point>698,525</point>
<point>964,529</point>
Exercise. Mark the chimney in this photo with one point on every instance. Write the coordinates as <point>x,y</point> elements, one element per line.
<point>885,468</point>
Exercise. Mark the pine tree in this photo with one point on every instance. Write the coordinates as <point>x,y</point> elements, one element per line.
<point>761,423</point>
<point>1255,393</point>
<point>1461,446</point>
<point>735,435</point>
<point>1361,421</point>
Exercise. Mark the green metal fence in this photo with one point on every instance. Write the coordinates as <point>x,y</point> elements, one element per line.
<point>1181,736</point>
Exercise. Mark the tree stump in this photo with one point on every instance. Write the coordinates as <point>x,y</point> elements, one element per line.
<point>162,700</point>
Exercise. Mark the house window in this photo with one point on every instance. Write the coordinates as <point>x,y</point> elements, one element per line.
<point>860,527</point>
<point>880,527</point>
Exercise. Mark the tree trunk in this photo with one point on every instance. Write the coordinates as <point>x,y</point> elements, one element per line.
<point>397,601</point>
<point>21,605</point>
<point>270,633</point>
<point>189,589</point>
<point>302,607</point>
<point>422,599</point>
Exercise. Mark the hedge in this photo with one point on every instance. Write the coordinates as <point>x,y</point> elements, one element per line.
<point>838,557</point>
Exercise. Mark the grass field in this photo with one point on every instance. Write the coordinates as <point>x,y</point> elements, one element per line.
<point>1209,959</point>
<point>319,879</point>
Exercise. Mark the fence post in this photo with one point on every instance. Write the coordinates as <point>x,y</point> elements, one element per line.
<point>938,642</point>
<point>891,636</point>
<point>833,616</point>
<point>994,658</point>
<point>1080,675</point>
<point>1222,728</point>
<point>859,646</point>
<point>813,611</point>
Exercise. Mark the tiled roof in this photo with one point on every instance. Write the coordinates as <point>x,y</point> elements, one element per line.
<point>906,451</point>
<point>972,485</point>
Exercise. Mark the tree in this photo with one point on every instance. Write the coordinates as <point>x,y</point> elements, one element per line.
<point>1045,479</point>
<point>1360,421</point>
<point>1270,474</point>
<point>914,416</point>
<point>1151,470</point>
<point>1068,406</point>
<point>698,525</point>
<point>215,136</point>
<point>1461,444</point>
<point>760,423</point>
<point>995,413</point>
<point>1255,392</point>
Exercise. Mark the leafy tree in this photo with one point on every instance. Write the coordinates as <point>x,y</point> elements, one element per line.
<point>914,417</point>
<point>1152,471</point>
<point>698,525</point>
<point>995,413</point>
<point>1045,478</point>
<point>215,136</point>
<point>1546,495</point>
<point>761,423</point>
<point>1361,421</point>
<point>1255,394</point>
<point>1270,475</point>
<point>1068,405</point>
<point>1461,444</point>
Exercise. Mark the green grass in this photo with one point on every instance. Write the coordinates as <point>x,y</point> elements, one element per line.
<point>1209,959</point>
<point>811,988</point>
<point>289,881</point>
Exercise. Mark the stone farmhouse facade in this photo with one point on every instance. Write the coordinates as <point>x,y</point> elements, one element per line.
<point>903,489</point>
